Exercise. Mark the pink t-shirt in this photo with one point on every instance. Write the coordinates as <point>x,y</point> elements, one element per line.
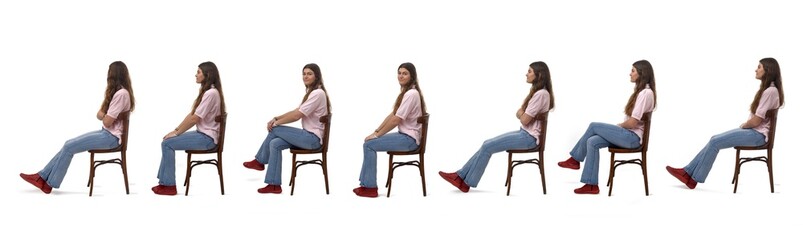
<point>409,111</point>
<point>769,100</point>
<point>313,109</point>
<point>121,102</point>
<point>207,110</point>
<point>539,103</point>
<point>645,102</point>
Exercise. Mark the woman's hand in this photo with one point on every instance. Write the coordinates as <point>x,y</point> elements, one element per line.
<point>170,135</point>
<point>271,124</point>
<point>372,136</point>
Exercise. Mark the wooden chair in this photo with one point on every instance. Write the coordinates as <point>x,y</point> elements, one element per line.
<point>93,164</point>
<point>645,143</point>
<point>424,121</point>
<point>216,150</point>
<point>326,120</point>
<point>543,117</point>
<point>773,116</point>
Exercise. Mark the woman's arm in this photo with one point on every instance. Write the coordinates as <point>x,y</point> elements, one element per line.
<point>630,123</point>
<point>288,117</point>
<point>753,122</point>
<point>390,122</point>
<point>523,118</point>
<point>189,121</point>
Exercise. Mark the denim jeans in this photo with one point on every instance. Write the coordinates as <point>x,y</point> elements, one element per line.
<point>388,142</point>
<point>280,138</point>
<point>55,170</point>
<point>472,171</point>
<point>699,167</point>
<point>191,140</point>
<point>597,136</point>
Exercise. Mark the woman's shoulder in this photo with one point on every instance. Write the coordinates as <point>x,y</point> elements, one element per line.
<point>317,91</point>
<point>647,91</point>
<point>211,91</point>
<point>411,92</point>
<point>122,92</point>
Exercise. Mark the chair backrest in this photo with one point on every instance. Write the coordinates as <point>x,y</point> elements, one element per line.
<point>327,121</point>
<point>544,118</point>
<point>424,121</point>
<point>221,137</point>
<point>773,116</point>
<point>123,116</point>
<point>645,138</point>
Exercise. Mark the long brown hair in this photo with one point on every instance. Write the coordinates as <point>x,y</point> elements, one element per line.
<point>211,78</point>
<point>412,84</point>
<point>318,83</point>
<point>645,77</point>
<point>117,79</point>
<point>542,80</point>
<point>772,74</point>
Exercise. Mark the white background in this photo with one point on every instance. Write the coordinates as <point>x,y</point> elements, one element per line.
<point>471,58</point>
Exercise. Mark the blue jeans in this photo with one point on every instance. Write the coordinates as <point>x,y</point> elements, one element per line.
<point>472,171</point>
<point>699,167</point>
<point>191,140</point>
<point>597,136</point>
<point>388,142</point>
<point>55,170</point>
<point>280,138</point>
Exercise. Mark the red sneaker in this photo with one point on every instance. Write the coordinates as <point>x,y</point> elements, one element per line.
<point>164,190</point>
<point>570,164</point>
<point>587,189</point>
<point>455,180</point>
<point>37,181</point>
<point>254,164</point>
<point>270,189</point>
<point>366,192</point>
<point>683,176</point>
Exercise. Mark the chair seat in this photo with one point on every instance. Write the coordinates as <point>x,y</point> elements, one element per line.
<point>306,151</point>
<point>522,150</point>
<point>117,149</point>
<point>623,150</point>
<point>213,150</point>
<point>763,147</point>
<point>414,152</point>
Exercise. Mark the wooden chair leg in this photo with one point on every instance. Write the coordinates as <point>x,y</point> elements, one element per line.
<point>325,172</point>
<point>390,170</point>
<point>220,171</point>
<point>769,168</point>
<point>389,184</point>
<point>611,175</point>
<point>91,183</point>
<point>124,165</point>
<point>187,176</point>
<point>509,168</point>
<point>644,173</point>
<point>91,166</point>
<point>293,176</point>
<point>541,169</point>
<point>736,170</point>
<point>736,167</point>
<point>423,178</point>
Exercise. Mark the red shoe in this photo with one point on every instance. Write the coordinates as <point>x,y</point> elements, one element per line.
<point>366,192</point>
<point>570,164</point>
<point>254,164</point>
<point>455,180</point>
<point>270,189</point>
<point>37,181</point>
<point>164,190</point>
<point>683,176</point>
<point>587,189</point>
